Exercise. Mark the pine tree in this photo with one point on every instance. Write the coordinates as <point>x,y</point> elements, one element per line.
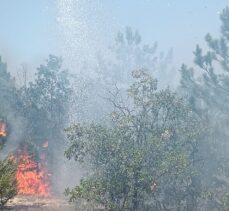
<point>207,88</point>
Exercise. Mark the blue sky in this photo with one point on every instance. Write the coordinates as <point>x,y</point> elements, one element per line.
<point>30,29</point>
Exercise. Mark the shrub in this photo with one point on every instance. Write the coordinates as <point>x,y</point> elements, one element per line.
<point>8,183</point>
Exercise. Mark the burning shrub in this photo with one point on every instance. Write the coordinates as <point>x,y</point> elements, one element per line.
<point>3,133</point>
<point>32,174</point>
<point>3,129</point>
<point>8,183</point>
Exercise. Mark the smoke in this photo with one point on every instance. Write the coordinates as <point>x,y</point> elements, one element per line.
<point>15,135</point>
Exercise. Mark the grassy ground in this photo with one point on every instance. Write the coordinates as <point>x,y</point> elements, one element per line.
<point>28,203</point>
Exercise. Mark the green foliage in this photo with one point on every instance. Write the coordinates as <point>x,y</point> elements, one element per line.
<point>8,93</point>
<point>144,158</point>
<point>45,100</point>
<point>207,88</point>
<point>8,184</point>
<point>9,107</point>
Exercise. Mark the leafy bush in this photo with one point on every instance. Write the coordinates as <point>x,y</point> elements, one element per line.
<point>144,158</point>
<point>8,183</point>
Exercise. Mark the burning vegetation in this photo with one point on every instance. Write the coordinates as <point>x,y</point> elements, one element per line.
<point>32,176</point>
<point>3,131</point>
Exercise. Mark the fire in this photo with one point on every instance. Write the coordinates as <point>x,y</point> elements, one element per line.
<point>3,129</point>
<point>45,145</point>
<point>32,177</point>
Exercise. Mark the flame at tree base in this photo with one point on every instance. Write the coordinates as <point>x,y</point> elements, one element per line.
<point>32,177</point>
<point>3,129</point>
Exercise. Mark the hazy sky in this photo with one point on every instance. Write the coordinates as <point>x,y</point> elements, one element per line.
<point>32,29</point>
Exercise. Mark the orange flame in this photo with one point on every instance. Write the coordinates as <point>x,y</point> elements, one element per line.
<point>32,178</point>
<point>3,129</point>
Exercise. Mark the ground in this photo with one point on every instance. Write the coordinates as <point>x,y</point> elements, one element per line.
<point>30,203</point>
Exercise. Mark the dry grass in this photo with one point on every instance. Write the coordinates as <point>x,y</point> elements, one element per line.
<point>26,208</point>
<point>29,203</point>
<point>26,203</point>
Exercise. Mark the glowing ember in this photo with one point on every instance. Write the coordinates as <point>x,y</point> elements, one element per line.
<point>45,145</point>
<point>32,177</point>
<point>3,129</point>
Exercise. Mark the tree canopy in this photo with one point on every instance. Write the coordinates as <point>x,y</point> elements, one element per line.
<point>144,157</point>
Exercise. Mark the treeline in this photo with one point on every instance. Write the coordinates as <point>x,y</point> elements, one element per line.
<point>157,149</point>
